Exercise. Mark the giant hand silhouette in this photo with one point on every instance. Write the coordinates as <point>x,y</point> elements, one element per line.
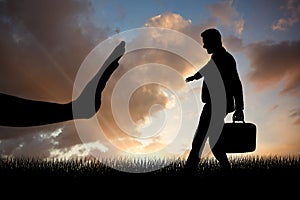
<point>20,112</point>
<point>93,91</point>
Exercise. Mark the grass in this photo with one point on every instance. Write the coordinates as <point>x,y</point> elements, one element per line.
<point>246,167</point>
<point>271,175</point>
<point>250,176</point>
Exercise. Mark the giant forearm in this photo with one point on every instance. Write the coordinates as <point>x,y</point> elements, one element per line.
<point>20,112</point>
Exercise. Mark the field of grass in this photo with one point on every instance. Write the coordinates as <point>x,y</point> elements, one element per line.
<point>250,177</point>
<point>242,167</point>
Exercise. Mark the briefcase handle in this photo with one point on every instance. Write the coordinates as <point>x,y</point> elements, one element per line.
<point>234,120</point>
<point>238,121</point>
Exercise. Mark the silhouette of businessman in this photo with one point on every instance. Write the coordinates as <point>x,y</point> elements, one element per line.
<point>20,112</point>
<point>226,64</point>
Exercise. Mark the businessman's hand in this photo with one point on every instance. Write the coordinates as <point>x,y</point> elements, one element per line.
<point>238,115</point>
<point>189,79</point>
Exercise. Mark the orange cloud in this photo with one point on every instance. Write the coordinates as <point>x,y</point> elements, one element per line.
<point>169,20</point>
<point>47,48</point>
<point>148,95</point>
<point>142,99</point>
<point>233,43</point>
<point>42,46</point>
<point>273,63</point>
<point>228,15</point>
<point>177,22</point>
<point>293,8</point>
<point>42,49</point>
<point>297,122</point>
<point>295,114</point>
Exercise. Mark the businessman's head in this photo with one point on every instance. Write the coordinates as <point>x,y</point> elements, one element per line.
<point>212,40</point>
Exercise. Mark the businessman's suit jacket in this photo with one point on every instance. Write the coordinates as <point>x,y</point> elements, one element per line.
<point>232,83</point>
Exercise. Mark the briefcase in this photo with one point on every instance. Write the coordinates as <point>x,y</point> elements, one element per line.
<point>237,137</point>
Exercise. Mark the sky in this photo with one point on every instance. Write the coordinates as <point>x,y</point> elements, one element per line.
<point>45,45</point>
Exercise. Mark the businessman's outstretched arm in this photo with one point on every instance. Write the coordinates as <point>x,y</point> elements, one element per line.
<point>196,76</point>
<point>20,112</point>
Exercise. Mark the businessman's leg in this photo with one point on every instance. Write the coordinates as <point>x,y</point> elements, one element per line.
<point>199,139</point>
<point>221,156</point>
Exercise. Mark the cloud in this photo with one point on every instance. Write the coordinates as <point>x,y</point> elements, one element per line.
<point>169,20</point>
<point>295,114</point>
<point>274,107</point>
<point>226,13</point>
<point>272,63</point>
<point>177,22</point>
<point>48,40</point>
<point>36,141</point>
<point>79,150</point>
<point>223,10</point>
<point>297,122</point>
<point>233,43</point>
<point>293,10</point>
<point>239,25</point>
<point>53,141</point>
<point>143,99</point>
<point>54,44</point>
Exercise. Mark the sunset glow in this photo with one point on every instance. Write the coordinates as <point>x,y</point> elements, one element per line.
<point>44,45</point>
